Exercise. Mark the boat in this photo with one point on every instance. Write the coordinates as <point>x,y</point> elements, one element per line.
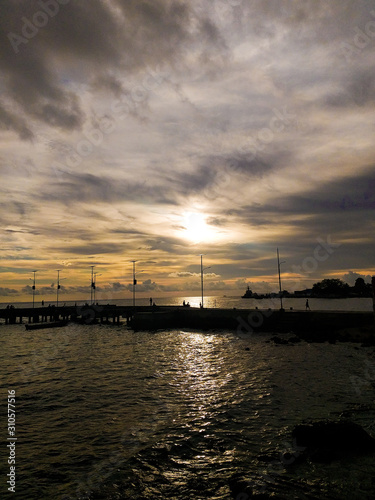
<point>248,294</point>
<point>41,326</point>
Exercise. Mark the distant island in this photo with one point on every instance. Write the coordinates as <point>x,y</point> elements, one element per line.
<point>325,289</point>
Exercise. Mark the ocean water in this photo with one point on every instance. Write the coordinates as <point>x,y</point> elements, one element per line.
<point>105,413</point>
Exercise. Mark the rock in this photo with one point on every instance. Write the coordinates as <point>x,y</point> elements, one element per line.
<point>326,441</point>
<point>294,339</point>
<point>279,340</point>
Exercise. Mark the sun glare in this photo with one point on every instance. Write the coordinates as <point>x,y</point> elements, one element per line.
<point>196,229</point>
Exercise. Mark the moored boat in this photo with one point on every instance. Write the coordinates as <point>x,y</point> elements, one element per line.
<point>248,294</point>
<point>41,326</point>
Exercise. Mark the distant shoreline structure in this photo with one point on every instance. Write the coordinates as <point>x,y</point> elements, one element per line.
<point>335,289</point>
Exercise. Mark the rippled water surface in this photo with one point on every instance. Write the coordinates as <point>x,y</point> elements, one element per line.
<point>106,413</point>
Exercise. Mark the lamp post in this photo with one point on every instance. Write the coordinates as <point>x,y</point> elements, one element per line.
<point>33,287</point>
<point>278,267</point>
<point>95,275</point>
<point>58,287</point>
<point>134,282</point>
<point>201,256</point>
<point>92,284</point>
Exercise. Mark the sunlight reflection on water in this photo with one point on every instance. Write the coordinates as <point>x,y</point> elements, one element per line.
<point>103,411</point>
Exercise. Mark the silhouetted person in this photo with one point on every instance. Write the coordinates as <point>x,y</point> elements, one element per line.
<point>150,301</point>
<point>307,305</point>
<point>184,303</point>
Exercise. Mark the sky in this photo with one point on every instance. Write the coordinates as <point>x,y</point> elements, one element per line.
<point>161,130</point>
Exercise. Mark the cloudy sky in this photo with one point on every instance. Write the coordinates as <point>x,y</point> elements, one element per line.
<point>159,130</point>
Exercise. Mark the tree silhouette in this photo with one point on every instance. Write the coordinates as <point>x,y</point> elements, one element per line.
<point>331,287</point>
<point>361,288</point>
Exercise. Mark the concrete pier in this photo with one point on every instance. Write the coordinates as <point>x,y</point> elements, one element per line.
<point>244,321</point>
<point>250,320</point>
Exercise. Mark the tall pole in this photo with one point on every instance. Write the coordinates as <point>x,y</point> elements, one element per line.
<point>278,267</point>
<point>201,256</point>
<point>95,278</point>
<point>34,288</point>
<point>202,278</point>
<point>134,282</point>
<point>58,288</point>
<point>92,283</point>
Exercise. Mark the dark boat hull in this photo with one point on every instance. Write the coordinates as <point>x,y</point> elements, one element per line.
<point>42,326</point>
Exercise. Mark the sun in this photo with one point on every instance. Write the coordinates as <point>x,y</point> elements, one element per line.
<point>195,227</point>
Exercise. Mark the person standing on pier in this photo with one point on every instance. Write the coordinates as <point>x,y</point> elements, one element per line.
<point>307,305</point>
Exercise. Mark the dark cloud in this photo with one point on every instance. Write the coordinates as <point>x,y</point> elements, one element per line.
<point>87,188</point>
<point>356,89</point>
<point>98,248</point>
<point>103,38</point>
<point>10,121</point>
<point>167,244</point>
<point>39,290</point>
<point>193,182</point>
<point>340,197</point>
<point>7,292</point>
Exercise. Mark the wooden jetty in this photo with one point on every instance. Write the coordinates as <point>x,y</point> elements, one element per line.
<point>82,314</point>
